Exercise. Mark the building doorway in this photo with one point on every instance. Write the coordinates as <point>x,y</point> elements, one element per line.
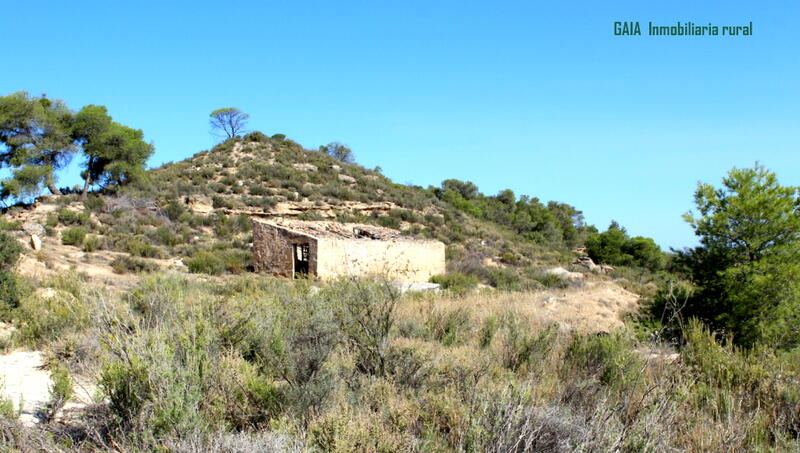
<point>300,252</point>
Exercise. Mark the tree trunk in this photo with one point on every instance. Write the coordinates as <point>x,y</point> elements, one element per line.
<point>86,187</point>
<point>53,189</point>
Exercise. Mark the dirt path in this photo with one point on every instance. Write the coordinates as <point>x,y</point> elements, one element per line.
<point>26,382</point>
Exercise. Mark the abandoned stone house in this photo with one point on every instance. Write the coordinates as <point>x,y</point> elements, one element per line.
<point>326,250</point>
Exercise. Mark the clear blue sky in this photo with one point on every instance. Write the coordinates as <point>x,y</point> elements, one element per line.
<point>539,97</point>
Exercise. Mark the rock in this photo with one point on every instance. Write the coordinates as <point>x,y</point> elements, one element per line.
<point>565,274</point>
<point>33,228</point>
<point>405,287</point>
<point>46,293</point>
<point>36,242</point>
<point>304,167</point>
<point>200,204</point>
<point>347,179</point>
<point>586,262</point>
<point>335,167</point>
<point>605,269</point>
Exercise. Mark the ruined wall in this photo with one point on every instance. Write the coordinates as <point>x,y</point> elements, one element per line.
<point>272,250</point>
<point>405,261</point>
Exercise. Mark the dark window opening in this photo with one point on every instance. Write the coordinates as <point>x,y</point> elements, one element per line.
<point>300,260</point>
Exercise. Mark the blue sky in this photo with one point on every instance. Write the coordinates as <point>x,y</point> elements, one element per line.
<point>539,97</point>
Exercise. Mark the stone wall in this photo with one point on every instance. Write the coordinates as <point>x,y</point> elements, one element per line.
<point>272,250</point>
<point>405,261</point>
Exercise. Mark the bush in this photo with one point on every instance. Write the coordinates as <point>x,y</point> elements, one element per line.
<point>9,251</point>
<point>449,327</point>
<point>69,217</point>
<point>73,236</point>
<point>456,282</point>
<point>94,203</point>
<point>256,136</point>
<point>123,264</point>
<point>92,244</point>
<point>217,262</point>
<point>608,357</point>
<point>9,293</point>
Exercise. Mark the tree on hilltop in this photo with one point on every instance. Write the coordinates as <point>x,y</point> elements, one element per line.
<point>229,121</point>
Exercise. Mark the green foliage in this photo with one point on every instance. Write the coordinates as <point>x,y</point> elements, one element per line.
<point>92,243</point>
<point>456,282</point>
<point>69,217</point>
<point>219,261</point>
<point>36,135</point>
<point>61,391</point>
<point>615,247</point>
<point>607,357</point>
<point>449,327</point>
<point>114,153</point>
<point>338,151</point>
<point>229,121</point>
<point>124,264</point>
<point>9,251</point>
<point>74,236</point>
<point>747,268</point>
<point>9,292</point>
<point>257,137</point>
<point>42,135</point>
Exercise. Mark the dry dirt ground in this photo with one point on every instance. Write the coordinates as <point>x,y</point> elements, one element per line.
<point>591,306</point>
<point>26,382</point>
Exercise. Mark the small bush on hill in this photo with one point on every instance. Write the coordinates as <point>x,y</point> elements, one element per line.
<point>456,282</point>
<point>73,236</point>
<point>123,264</point>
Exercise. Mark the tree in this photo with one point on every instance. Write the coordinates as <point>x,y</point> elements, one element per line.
<point>36,135</point>
<point>467,189</point>
<point>747,268</point>
<point>229,121</point>
<point>338,151</point>
<point>615,247</point>
<point>114,153</point>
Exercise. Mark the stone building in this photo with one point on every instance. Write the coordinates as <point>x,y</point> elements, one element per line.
<point>291,248</point>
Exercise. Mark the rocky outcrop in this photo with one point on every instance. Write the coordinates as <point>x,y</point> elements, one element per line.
<point>305,167</point>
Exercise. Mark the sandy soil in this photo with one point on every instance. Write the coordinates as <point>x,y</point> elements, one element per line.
<point>26,382</point>
<point>593,306</point>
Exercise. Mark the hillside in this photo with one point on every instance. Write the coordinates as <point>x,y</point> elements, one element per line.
<point>136,325</point>
<point>185,210</point>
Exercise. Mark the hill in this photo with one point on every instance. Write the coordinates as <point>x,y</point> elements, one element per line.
<point>186,209</point>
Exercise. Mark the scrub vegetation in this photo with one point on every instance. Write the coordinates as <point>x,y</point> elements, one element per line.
<point>192,352</point>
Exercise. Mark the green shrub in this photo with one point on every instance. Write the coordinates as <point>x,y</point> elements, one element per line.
<point>73,236</point>
<point>456,282</point>
<point>205,262</point>
<point>9,293</point>
<point>139,247</point>
<point>608,357</point>
<point>92,244</point>
<point>218,261</point>
<point>522,347</point>
<point>94,203</point>
<point>69,217</point>
<point>256,136</point>
<point>123,264</point>
<point>173,210</point>
<point>9,251</point>
<point>449,327</point>
<point>9,226</point>
<point>61,391</point>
